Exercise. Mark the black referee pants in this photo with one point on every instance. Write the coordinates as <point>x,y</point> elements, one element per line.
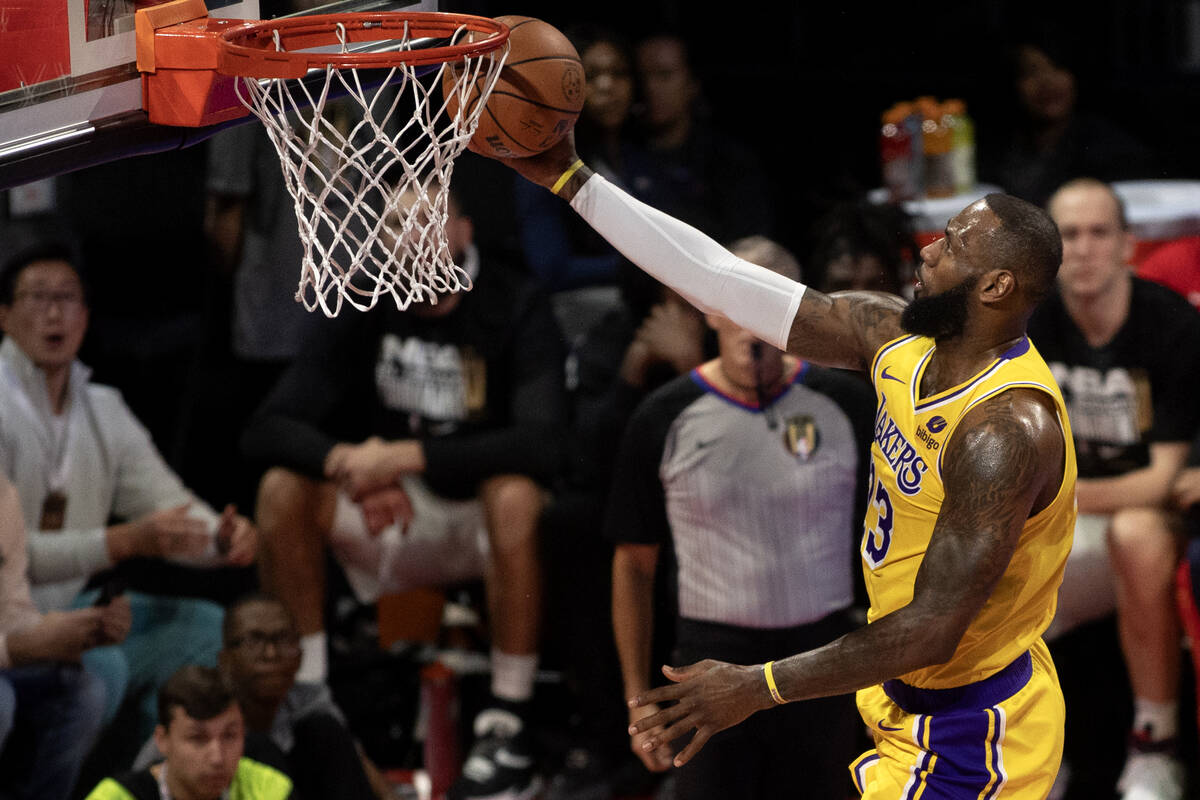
<point>800,750</point>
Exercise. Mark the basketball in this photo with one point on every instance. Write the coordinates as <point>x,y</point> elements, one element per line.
<point>537,97</point>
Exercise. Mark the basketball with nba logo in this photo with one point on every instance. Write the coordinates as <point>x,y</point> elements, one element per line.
<point>537,97</point>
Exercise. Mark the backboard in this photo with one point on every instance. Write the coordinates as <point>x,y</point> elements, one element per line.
<point>70,92</point>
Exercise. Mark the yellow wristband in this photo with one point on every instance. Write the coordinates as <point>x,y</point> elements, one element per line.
<point>770,676</point>
<point>566,176</point>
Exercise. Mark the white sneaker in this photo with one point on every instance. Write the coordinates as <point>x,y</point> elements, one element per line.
<point>1151,776</point>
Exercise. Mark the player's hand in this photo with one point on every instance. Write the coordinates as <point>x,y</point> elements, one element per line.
<point>544,168</point>
<point>1186,490</point>
<point>237,538</point>
<point>116,619</point>
<point>656,759</point>
<point>385,507</point>
<point>707,697</point>
<point>160,534</point>
<point>673,333</point>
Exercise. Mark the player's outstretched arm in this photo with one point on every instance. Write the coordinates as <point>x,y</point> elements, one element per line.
<point>1004,462</point>
<point>841,330</point>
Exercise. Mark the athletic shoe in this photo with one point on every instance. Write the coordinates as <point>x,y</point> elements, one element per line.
<point>1151,775</point>
<point>500,765</point>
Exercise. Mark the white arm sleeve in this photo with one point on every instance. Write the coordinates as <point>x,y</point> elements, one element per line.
<point>709,276</point>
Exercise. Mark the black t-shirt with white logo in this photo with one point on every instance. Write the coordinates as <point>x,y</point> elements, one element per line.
<point>482,387</point>
<point>1137,389</point>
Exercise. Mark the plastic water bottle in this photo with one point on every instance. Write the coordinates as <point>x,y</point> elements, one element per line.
<point>963,151</point>
<point>896,156</point>
<point>913,121</point>
<point>937,143</point>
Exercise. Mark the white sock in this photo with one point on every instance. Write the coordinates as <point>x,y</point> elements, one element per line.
<point>314,661</point>
<point>1158,721</point>
<point>513,675</point>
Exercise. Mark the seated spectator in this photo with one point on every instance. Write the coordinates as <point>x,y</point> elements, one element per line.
<point>764,564</point>
<point>259,659</point>
<point>1051,139</point>
<point>1133,413</point>
<point>692,170</point>
<point>202,737</point>
<point>418,445</point>
<point>863,247</point>
<point>80,460</point>
<point>1176,265</point>
<point>50,707</point>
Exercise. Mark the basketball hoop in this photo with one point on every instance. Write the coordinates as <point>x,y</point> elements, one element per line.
<point>365,139</point>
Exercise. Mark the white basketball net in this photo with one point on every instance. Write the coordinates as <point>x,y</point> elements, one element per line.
<point>368,184</point>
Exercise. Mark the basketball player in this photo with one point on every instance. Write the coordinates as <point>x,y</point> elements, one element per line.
<point>971,501</point>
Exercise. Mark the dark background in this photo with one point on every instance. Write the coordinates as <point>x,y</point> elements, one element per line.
<point>803,84</point>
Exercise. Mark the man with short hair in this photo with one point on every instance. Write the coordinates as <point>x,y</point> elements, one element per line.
<point>202,737</point>
<point>971,503</point>
<point>417,445</point>
<point>54,705</point>
<point>94,490</point>
<point>259,658</point>
<point>1126,353</point>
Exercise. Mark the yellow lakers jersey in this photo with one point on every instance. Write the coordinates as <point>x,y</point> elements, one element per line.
<point>906,495</point>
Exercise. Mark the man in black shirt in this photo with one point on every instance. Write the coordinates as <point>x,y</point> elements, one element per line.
<point>1126,354</point>
<point>416,444</point>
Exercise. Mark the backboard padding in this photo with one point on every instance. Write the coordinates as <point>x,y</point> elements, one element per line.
<point>71,96</point>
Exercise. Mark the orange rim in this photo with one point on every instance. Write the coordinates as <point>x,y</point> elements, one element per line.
<point>249,50</point>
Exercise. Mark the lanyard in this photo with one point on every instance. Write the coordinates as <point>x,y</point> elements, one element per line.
<point>59,466</point>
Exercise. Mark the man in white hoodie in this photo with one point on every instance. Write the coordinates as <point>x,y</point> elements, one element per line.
<point>80,459</point>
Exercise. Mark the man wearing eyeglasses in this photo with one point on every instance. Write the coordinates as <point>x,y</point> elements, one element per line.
<point>297,720</point>
<point>205,753</point>
<point>80,459</point>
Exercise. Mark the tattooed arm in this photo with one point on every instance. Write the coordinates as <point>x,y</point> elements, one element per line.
<point>1004,463</point>
<point>844,329</point>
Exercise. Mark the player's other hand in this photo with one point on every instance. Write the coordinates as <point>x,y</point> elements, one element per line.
<point>706,697</point>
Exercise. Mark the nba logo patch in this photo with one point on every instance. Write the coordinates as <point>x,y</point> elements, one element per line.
<point>801,437</point>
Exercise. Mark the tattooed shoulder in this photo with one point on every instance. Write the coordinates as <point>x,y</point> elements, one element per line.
<point>1004,449</point>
